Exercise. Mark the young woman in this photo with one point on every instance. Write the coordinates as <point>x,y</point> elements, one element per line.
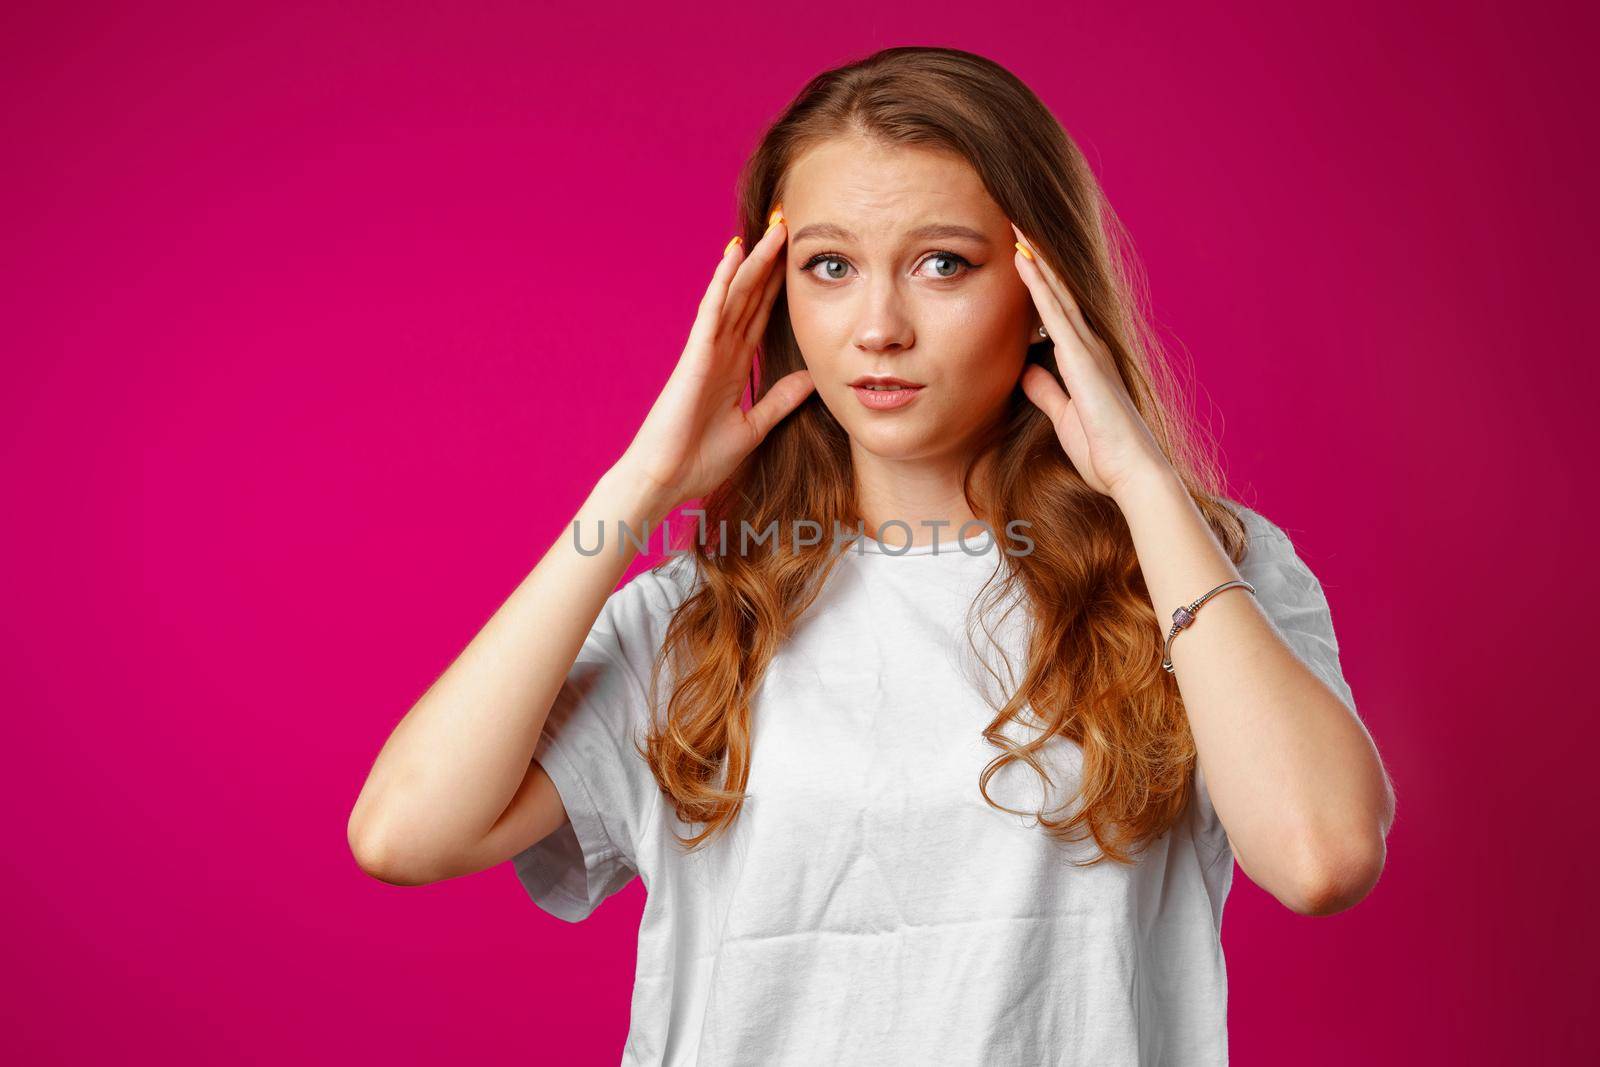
<point>912,797</point>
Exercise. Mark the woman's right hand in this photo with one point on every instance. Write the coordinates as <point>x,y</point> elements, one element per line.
<point>696,432</point>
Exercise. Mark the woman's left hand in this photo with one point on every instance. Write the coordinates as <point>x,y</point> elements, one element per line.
<point>1095,418</point>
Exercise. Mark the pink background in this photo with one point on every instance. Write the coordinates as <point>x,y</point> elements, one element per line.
<point>320,323</point>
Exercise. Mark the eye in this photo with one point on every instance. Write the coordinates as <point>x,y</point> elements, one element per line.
<point>951,259</point>
<point>824,257</point>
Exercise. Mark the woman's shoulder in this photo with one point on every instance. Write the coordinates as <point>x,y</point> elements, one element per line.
<point>1272,561</point>
<point>1257,527</point>
<point>671,578</point>
<point>649,598</point>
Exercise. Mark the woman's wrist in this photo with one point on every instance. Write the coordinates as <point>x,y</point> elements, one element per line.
<point>631,497</point>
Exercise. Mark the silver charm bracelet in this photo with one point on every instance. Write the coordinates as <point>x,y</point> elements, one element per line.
<point>1183,618</point>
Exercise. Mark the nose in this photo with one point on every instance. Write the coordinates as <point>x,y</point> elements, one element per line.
<point>883,325</point>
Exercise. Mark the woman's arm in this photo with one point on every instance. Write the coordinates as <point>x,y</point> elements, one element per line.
<point>455,785</point>
<point>1292,772</point>
<point>455,788</point>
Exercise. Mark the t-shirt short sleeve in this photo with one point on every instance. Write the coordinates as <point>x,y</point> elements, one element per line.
<point>591,748</point>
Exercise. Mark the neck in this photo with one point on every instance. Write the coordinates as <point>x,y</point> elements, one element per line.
<point>916,492</point>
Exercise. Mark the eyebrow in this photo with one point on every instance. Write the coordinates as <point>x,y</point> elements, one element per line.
<point>937,229</point>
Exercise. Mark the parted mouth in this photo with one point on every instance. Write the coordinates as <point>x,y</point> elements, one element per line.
<point>883,381</point>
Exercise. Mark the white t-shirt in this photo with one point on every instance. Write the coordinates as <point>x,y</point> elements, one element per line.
<point>868,906</point>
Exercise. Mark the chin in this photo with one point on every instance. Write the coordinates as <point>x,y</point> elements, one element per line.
<point>908,441</point>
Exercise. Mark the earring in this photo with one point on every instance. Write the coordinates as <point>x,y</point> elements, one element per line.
<point>1044,333</point>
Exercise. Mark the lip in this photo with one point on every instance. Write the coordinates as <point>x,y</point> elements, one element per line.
<point>883,379</point>
<point>885,400</point>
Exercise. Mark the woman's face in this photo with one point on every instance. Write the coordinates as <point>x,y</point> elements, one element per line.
<point>899,263</point>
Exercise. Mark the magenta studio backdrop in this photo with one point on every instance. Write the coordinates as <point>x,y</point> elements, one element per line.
<point>320,322</point>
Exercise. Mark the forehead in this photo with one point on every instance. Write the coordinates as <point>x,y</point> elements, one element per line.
<point>882,190</point>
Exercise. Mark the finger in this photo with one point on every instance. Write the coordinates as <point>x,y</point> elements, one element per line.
<point>751,279</point>
<point>1064,297</point>
<point>769,295</point>
<point>710,311</point>
<point>1042,388</point>
<point>1065,338</point>
<point>784,396</point>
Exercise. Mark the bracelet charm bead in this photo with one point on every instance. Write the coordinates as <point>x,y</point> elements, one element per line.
<point>1183,618</point>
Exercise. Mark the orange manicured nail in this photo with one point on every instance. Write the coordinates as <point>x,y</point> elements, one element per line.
<point>776,217</point>
<point>1024,250</point>
<point>729,246</point>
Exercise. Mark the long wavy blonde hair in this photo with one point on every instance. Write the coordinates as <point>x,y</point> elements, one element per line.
<point>1094,651</point>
